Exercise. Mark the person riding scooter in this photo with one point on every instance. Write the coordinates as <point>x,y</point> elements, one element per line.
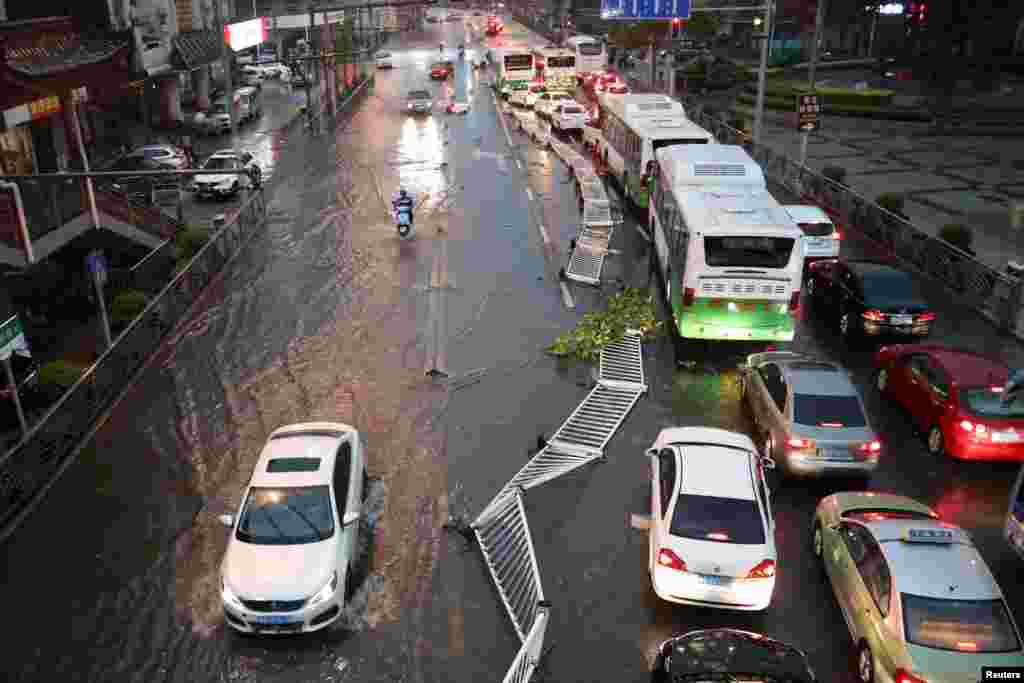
<point>404,201</point>
<point>462,51</point>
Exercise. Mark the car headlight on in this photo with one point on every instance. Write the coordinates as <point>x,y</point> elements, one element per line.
<point>228,596</point>
<point>327,591</point>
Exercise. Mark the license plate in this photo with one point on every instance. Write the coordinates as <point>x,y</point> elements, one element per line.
<point>1005,437</point>
<point>902,320</point>
<point>275,620</point>
<point>711,580</point>
<point>834,454</point>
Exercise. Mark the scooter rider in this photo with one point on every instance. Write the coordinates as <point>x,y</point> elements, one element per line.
<point>404,201</point>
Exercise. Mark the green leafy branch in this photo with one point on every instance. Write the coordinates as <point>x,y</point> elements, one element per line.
<point>632,309</point>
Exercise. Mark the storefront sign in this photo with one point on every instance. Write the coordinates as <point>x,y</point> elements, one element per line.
<point>40,109</point>
<point>245,34</point>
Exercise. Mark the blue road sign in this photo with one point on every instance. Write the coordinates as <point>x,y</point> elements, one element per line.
<point>641,10</point>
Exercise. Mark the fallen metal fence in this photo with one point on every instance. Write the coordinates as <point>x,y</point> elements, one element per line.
<point>993,293</point>
<point>30,467</point>
<point>502,529</point>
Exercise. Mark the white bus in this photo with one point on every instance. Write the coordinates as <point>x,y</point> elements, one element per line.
<point>559,67</point>
<point>633,127</point>
<point>515,68</point>
<point>728,254</point>
<point>591,55</point>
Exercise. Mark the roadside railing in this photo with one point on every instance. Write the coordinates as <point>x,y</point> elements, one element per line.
<point>29,468</point>
<point>994,294</point>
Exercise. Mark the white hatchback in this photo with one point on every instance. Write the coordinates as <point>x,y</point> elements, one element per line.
<point>821,238</point>
<point>568,117</point>
<point>711,530</point>
<point>288,564</point>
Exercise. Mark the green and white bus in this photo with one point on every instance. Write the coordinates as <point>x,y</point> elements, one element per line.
<point>729,255</point>
<point>633,128</point>
<point>516,69</point>
<point>559,67</point>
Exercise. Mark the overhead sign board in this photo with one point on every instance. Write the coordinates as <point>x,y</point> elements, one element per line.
<point>644,10</point>
<point>807,111</point>
<point>246,34</point>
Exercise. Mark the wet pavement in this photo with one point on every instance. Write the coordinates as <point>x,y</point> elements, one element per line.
<point>327,315</point>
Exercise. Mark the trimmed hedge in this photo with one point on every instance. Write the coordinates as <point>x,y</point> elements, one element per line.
<point>829,96</point>
<point>959,235</point>
<point>127,306</point>
<point>835,173</point>
<point>60,374</point>
<point>890,201</point>
<point>789,105</point>
<point>189,241</point>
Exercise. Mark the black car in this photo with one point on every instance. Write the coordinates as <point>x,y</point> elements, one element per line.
<point>725,654</point>
<point>869,299</point>
<point>138,188</point>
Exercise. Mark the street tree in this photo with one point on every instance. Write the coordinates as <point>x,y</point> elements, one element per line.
<point>702,25</point>
<point>637,34</point>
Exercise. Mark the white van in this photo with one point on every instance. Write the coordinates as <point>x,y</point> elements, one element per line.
<point>250,104</point>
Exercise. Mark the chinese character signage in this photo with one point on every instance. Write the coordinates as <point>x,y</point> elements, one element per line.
<point>642,10</point>
<point>807,109</point>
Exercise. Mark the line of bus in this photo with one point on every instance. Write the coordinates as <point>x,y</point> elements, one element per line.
<point>633,127</point>
<point>515,69</point>
<point>591,55</point>
<point>728,254</point>
<point>558,66</point>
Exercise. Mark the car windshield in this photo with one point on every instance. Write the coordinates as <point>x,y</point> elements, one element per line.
<point>291,515</point>
<point>217,163</point>
<point>709,518</point>
<point>959,625</point>
<point>984,402</point>
<point>817,229</point>
<point>827,411</point>
<point>155,153</point>
<point>419,95</point>
<point>748,252</point>
<point>571,110</point>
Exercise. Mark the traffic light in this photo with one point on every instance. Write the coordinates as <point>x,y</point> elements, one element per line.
<point>917,13</point>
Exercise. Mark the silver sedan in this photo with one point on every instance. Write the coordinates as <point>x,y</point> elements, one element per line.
<point>809,415</point>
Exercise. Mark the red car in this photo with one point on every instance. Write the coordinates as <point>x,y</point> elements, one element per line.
<point>954,396</point>
<point>439,70</point>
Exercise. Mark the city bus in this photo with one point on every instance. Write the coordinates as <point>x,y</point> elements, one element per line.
<point>1014,529</point>
<point>559,67</point>
<point>515,69</point>
<point>633,127</point>
<point>728,254</point>
<point>591,55</point>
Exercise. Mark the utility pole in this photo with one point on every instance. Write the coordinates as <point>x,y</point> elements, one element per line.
<point>310,68</point>
<point>759,107</point>
<point>819,22</point>
<point>225,56</point>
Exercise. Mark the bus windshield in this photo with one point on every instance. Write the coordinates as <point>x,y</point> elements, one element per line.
<point>658,144</point>
<point>561,62</point>
<point>748,251</point>
<point>518,62</point>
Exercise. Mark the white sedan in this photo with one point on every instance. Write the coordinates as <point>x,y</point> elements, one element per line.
<point>711,532</point>
<point>288,564</point>
<point>385,60</point>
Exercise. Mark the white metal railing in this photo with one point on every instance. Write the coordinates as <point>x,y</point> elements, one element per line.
<point>502,530</point>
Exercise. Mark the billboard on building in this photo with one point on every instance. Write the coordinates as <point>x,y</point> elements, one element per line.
<point>644,10</point>
<point>246,34</point>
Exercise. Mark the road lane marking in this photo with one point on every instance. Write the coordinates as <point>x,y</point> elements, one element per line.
<point>529,194</point>
<point>567,296</point>
<point>519,164</point>
<point>643,232</point>
<point>544,234</point>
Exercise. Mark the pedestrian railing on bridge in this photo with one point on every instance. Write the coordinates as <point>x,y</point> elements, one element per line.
<point>502,529</point>
<point>29,468</point>
<point>996,295</point>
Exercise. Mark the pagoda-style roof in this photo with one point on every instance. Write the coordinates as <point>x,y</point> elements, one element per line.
<point>197,48</point>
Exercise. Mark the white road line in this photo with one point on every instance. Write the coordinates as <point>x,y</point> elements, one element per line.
<point>643,232</point>
<point>529,194</point>
<point>543,234</point>
<point>519,164</point>
<point>567,296</point>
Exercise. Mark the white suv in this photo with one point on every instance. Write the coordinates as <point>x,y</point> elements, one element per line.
<point>288,564</point>
<point>711,530</point>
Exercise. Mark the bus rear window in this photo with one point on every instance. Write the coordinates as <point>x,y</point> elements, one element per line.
<point>658,144</point>
<point>562,62</point>
<point>748,252</point>
<point>817,229</point>
<point>590,49</point>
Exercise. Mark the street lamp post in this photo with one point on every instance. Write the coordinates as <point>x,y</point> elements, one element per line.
<point>759,107</point>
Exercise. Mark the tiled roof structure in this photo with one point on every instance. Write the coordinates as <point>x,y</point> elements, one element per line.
<point>196,48</point>
<point>66,53</point>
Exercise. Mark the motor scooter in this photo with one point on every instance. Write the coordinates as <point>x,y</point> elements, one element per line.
<point>403,222</point>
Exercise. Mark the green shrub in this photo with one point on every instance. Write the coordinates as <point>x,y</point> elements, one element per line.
<point>957,234</point>
<point>189,241</point>
<point>695,69</point>
<point>631,309</point>
<point>861,111</point>
<point>890,201</point>
<point>60,374</point>
<point>835,173</point>
<point>789,89</point>
<point>127,306</point>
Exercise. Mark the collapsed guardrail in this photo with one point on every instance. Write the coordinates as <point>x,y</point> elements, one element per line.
<point>502,530</point>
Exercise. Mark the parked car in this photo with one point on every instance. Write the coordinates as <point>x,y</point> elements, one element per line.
<point>920,603</point>
<point>420,102</point>
<point>288,567</point>
<point>954,396</point>
<point>726,654</point>
<point>228,184</point>
<point>568,117</point>
<point>810,415</point>
<point>711,532</point>
<point>385,60</point>
<point>821,237</point>
<point>166,155</point>
<point>869,299</point>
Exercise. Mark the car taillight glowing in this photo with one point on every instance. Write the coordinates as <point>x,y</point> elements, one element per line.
<point>667,558</point>
<point>689,294</point>
<point>836,235</point>
<point>765,569</point>
<point>794,302</point>
<point>904,676</point>
<point>968,646</point>
<point>870,447</point>
<point>797,444</point>
<point>873,316</point>
<point>924,317</point>
<point>977,431</point>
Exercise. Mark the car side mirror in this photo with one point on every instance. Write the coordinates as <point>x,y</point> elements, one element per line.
<point>651,452</point>
<point>350,517</point>
<point>227,520</point>
<point>767,462</point>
